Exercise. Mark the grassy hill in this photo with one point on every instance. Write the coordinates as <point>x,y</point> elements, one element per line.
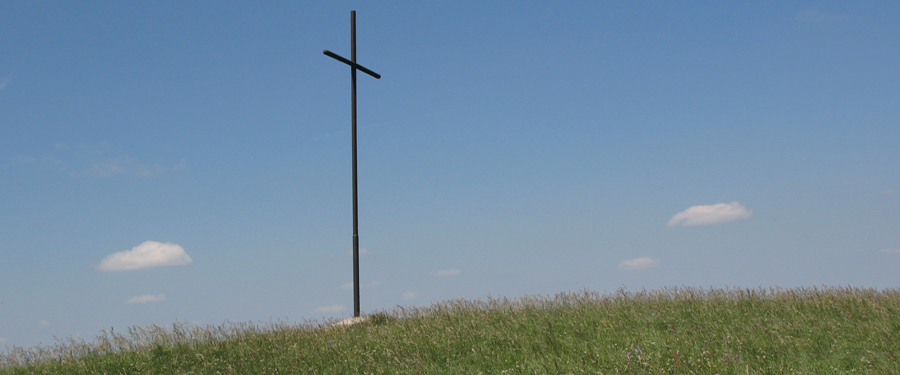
<point>669,331</point>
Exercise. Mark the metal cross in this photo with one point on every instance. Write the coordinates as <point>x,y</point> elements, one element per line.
<point>353,68</point>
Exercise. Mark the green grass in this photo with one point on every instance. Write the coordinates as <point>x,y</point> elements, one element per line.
<point>669,331</point>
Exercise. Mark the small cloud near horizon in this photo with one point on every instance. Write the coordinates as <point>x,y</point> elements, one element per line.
<point>126,165</point>
<point>43,323</point>
<point>369,285</point>
<point>94,160</point>
<point>146,255</point>
<point>450,272</point>
<point>408,295</point>
<point>718,213</point>
<point>330,309</point>
<point>890,251</point>
<point>817,16</point>
<point>638,263</point>
<point>5,81</point>
<point>362,251</point>
<point>147,299</point>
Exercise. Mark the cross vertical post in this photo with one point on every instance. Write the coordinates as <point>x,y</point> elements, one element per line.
<point>353,68</point>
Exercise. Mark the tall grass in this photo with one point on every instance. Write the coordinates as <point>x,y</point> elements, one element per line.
<point>139,338</point>
<point>672,330</point>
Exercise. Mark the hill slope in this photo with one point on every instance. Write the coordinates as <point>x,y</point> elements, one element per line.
<point>756,331</point>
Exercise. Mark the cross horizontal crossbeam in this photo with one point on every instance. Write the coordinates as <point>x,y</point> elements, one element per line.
<point>352,64</point>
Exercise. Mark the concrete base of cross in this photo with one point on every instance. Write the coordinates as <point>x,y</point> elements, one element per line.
<point>350,321</point>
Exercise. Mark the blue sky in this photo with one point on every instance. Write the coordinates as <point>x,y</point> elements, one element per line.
<point>191,161</point>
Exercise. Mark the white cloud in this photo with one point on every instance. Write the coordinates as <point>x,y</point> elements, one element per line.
<point>96,160</point>
<point>817,16</point>
<point>890,251</point>
<point>5,81</point>
<point>450,272</point>
<point>638,263</point>
<point>146,255</point>
<point>369,285</point>
<point>407,296</point>
<point>147,298</point>
<point>126,165</point>
<point>45,163</point>
<point>330,309</point>
<point>713,214</point>
<point>43,323</point>
<point>892,191</point>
